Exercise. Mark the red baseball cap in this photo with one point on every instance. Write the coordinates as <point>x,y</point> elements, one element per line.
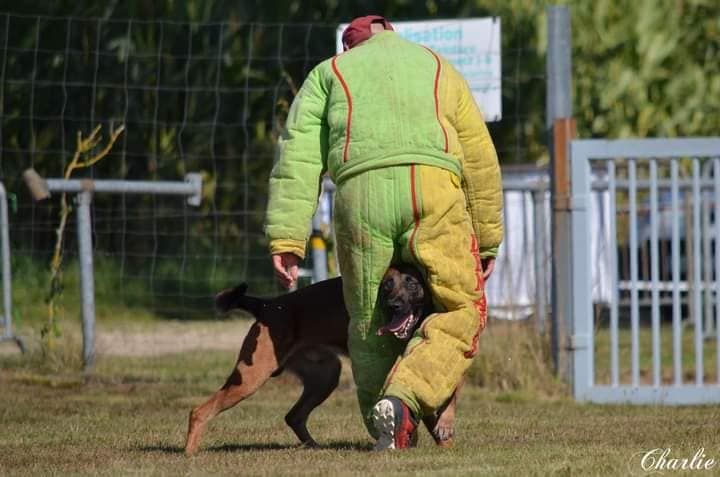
<point>359,30</point>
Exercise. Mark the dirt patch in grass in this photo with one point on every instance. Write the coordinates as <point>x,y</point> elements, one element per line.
<point>172,337</point>
<point>147,338</point>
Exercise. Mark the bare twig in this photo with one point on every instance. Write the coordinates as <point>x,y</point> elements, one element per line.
<point>83,149</point>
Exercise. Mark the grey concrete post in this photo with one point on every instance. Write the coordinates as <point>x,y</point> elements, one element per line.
<point>559,106</point>
<point>558,65</point>
<point>87,281</point>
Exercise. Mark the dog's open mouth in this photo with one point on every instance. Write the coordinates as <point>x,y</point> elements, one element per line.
<point>400,326</point>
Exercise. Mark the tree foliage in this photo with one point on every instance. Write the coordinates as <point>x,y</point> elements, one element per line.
<point>649,68</point>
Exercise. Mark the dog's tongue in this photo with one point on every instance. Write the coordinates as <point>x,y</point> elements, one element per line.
<point>395,325</point>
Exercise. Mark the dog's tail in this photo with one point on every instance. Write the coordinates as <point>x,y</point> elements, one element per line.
<point>235,298</point>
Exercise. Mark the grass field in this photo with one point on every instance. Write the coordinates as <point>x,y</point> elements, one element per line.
<point>602,356</point>
<point>130,416</point>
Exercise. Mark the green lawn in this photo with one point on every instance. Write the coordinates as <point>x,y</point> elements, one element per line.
<point>130,418</point>
<point>602,356</point>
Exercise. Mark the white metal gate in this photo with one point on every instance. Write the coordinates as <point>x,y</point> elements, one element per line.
<point>658,339</point>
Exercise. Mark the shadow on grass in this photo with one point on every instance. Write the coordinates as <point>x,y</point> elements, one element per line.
<point>348,445</point>
<point>271,446</point>
<point>167,449</point>
<point>338,445</point>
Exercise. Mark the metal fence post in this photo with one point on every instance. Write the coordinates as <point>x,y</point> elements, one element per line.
<point>321,229</point>
<point>560,132</point>
<point>539,229</point>
<point>87,281</point>
<point>580,337</point>
<point>318,247</point>
<point>558,66</point>
<point>7,291</point>
<point>40,188</point>
<point>8,334</point>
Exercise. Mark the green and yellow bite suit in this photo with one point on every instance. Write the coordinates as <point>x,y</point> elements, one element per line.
<point>418,181</point>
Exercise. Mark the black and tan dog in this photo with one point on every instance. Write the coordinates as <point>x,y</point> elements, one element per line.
<point>303,332</point>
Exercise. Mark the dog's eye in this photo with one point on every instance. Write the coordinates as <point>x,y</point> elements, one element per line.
<point>388,285</point>
<point>410,282</point>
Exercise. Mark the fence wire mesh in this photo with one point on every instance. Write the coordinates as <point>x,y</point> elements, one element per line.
<point>194,97</point>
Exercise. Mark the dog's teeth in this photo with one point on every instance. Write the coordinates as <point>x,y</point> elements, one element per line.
<point>404,329</point>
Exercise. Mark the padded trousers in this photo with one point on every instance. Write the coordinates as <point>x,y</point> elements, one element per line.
<point>415,214</point>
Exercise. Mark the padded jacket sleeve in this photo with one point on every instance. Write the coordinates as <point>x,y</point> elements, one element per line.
<point>296,177</point>
<point>481,171</point>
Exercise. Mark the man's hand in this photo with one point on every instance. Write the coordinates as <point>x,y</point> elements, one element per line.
<point>488,265</point>
<point>286,268</point>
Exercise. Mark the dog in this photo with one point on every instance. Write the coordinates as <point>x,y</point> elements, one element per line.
<point>304,332</point>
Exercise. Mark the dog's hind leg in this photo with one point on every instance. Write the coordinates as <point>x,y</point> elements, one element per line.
<point>319,371</point>
<point>442,424</point>
<point>256,363</point>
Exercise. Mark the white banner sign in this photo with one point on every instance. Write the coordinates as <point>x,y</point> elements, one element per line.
<point>472,46</point>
